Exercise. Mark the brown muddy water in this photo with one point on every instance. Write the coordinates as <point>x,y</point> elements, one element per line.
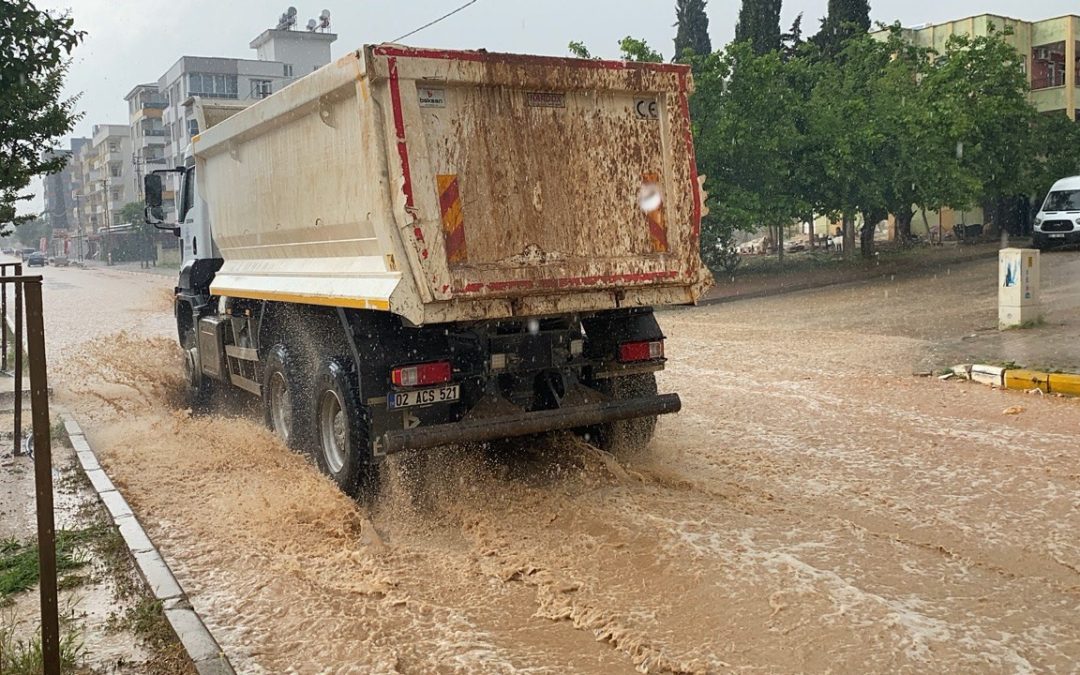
<point>811,509</point>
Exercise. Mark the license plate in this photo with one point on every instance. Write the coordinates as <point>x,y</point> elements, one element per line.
<point>408,399</point>
<point>1057,236</point>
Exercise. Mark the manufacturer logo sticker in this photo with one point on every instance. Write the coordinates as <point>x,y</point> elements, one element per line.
<point>432,98</point>
<point>545,99</point>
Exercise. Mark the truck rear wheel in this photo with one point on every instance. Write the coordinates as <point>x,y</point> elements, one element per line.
<point>342,431</point>
<point>284,404</point>
<point>626,438</point>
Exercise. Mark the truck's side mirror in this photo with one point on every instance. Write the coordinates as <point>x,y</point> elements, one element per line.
<point>152,189</point>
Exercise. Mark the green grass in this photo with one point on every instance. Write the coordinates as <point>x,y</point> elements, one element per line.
<point>145,619</point>
<point>1031,323</point>
<point>19,560</point>
<point>19,657</point>
<point>58,432</point>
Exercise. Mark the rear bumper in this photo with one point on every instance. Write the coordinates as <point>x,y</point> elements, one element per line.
<point>525,423</point>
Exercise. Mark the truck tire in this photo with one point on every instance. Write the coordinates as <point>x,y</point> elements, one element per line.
<point>284,402</point>
<point>200,388</point>
<point>341,431</point>
<point>627,438</point>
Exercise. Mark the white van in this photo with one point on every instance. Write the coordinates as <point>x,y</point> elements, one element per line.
<point>1058,222</point>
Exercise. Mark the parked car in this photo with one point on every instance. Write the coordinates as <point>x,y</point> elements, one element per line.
<point>1058,222</point>
<point>59,261</point>
<point>36,259</point>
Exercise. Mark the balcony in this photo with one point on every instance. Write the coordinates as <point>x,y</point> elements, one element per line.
<point>1048,81</point>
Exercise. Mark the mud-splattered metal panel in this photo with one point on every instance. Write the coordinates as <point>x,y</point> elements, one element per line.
<point>527,174</point>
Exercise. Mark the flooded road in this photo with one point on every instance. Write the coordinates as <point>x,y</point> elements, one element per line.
<point>813,507</point>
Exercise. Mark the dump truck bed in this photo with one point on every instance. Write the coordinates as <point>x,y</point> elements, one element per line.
<point>449,185</point>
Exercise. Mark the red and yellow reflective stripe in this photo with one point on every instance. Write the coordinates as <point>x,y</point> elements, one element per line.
<point>453,220</point>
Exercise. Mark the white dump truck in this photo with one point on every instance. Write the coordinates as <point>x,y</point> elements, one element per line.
<point>412,247</point>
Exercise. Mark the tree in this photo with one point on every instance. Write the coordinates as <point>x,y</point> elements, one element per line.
<point>918,165</point>
<point>132,213</point>
<point>979,88</point>
<point>1052,156</point>
<point>579,50</point>
<point>759,24</point>
<point>845,19</point>
<point>746,139</point>
<point>692,29</point>
<point>633,49</point>
<point>849,139</point>
<point>34,50</point>
<point>792,41</point>
<point>142,232</point>
<point>31,230</point>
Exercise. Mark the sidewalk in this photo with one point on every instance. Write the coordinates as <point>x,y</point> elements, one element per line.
<point>159,270</point>
<point>752,284</point>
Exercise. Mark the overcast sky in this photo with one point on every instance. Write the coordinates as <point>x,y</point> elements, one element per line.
<point>134,41</point>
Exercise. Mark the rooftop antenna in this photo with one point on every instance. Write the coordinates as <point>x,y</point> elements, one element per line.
<point>324,20</point>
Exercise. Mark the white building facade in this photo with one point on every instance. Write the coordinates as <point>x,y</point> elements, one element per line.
<point>284,56</point>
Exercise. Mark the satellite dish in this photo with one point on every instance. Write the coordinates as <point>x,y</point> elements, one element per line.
<point>312,24</point>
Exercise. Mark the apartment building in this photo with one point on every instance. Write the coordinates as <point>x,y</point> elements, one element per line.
<point>1050,49</point>
<point>102,184</point>
<point>59,187</point>
<point>283,56</point>
<point>146,106</point>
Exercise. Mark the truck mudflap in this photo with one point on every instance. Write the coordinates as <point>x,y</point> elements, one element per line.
<point>525,423</point>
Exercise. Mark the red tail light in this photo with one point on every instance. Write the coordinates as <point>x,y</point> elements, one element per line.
<point>423,374</point>
<point>641,351</point>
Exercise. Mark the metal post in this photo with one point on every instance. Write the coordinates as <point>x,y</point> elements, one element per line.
<point>18,338</point>
<point>3,311</point>
<point>39,405</point>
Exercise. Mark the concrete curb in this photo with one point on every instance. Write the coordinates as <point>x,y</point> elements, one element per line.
<point>202,648</point>
<point>1021,379</point>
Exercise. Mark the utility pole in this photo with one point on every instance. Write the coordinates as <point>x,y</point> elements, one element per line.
<point>78,225</point>
<point>108,229</point>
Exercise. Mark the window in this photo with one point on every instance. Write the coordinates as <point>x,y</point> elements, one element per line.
<point>192,128</point>
<point>187,193</point>
<point>1062,200</point>
<point>288,70</point>
<point>114,146</point>
<point>212,85</point>
<point>114,171</point>
<point>1048,65</point>
<point>261,88</point>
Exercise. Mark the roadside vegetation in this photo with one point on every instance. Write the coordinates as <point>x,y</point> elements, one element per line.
<point>855,120</point>
<point>90,554</point>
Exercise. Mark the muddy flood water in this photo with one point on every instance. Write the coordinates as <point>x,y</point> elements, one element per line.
<point>814,507</point>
